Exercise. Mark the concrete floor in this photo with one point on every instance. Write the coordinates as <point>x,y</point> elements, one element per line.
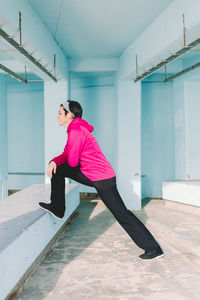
<point>94,258</point>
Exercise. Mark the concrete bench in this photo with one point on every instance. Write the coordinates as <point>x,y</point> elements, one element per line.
<point>26,231</point>
<point>183,191</point>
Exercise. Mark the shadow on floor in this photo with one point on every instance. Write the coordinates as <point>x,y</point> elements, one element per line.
<point>145,201</point>
<point>91,222</point>
<point>77,236</point>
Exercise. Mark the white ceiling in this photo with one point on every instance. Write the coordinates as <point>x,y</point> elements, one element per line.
<point>97,28</point>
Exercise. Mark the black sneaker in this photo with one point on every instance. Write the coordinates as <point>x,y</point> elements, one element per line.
<point>151,254</point>
<point>47,207</point>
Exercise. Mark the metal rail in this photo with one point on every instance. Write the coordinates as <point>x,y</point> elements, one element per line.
<point>21,49</point>
<point>12,74</point>
<point>169,59</point>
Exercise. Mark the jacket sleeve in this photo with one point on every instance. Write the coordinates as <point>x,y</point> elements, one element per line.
<point>75,143</point>
<point>60,159</point>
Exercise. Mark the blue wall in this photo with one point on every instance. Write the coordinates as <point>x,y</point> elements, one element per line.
<point>25,134</point>
<point>157,137</point>
<point>3,138</point>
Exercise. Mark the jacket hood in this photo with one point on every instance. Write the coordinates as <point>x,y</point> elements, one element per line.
<point>80,122</point>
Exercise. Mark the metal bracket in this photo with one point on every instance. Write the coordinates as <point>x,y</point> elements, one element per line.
<point>3,23</point>
<point>165,74</point>
<point>21,48</point>
<point>197,65</point>
<point>54,65</point>
<point>173,55</point>
<point>12,74</point>
<point>184,31</point>
<point>25,75</point>
<point>20,28</point>
<point>136,65</point>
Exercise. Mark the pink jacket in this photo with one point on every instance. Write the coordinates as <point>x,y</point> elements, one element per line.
<point>82,148</point>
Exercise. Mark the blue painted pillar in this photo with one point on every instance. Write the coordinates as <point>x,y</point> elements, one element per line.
<point>3,138</point>
<point>180,129</point>
<point>129,140</point>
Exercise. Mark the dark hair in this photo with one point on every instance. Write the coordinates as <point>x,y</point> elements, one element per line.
<point>75,108</point>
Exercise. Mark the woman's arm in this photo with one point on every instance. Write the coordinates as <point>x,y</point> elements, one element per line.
<point>51,169</point>
<point>60,159</point>
<point>72,150</point>
<point>75,143</point>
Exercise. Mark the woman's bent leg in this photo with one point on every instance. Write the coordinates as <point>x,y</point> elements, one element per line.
<point>58,191</point>
<point>58,185</point>
<point>109,194</point>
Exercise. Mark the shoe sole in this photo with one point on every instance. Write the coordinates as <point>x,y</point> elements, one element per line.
<point>50,212</point>
<point>150,259</point>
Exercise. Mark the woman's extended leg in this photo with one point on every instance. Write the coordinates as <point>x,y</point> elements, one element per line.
<point>109,194</point>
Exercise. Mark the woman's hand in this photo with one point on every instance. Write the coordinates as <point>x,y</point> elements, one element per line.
<point>51,167</point>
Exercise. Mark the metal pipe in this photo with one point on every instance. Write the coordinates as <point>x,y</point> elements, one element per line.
<point>44,66</point>
<point>169,59</point>
<point>136,64</point>
<point>21,49</point>
<point>39,59</point>
<point>3,23</point>
<point>163,60</point>
<point>14,35</point>
<point>25,74</point>
<point>184,31</point>
<point>33,52</point>
<point>11,73</point>
<point>36,80</point>
<point>172,53</point>
<point>165,74</point>
<point>196,35</point>
<point>20,28</point>
<point>8,50</point>
<point>153,66</point>
<point>184,46</point>
<point>184,71</point>
<point>51,70</point>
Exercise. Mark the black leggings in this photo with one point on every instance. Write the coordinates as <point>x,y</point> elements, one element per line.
<point>109,194</point>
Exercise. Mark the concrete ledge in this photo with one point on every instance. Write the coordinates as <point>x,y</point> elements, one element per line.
<point>183,191</point>
<point>25,230</point>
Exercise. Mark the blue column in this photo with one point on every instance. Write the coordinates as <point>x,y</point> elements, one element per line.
<point>129,140</point>
<point>3,138</point>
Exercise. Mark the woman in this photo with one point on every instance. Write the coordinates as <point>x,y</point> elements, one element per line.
<point>83,161</point>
